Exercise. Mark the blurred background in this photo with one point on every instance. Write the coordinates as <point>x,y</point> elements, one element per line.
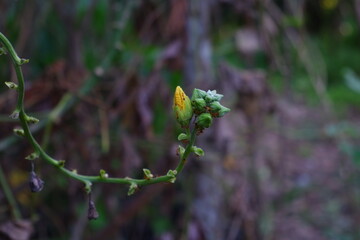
<point>283,164</point>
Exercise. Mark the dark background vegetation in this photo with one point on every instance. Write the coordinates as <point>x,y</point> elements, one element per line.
<point>283,164</point>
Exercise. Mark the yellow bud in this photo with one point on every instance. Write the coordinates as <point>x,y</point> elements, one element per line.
<point>182,107</point>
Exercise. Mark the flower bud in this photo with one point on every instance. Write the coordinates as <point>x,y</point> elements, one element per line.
<point>197,93</point>
<point>92,212</point>
<point>35,183</point>
<point>204,120</point>
<point>223,111</point>
<point>212,96</point>
<point>182,107</point>
<point>218,110</point>
<point>199,105</point>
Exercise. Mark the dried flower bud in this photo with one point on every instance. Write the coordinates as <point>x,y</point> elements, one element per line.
<point>15,114</point>
<point>182,107</point>
<point>92,212</point>
<point>36,184</point>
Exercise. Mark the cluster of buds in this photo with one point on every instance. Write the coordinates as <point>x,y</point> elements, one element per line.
<point>203,105</point>
<point>206,106</point>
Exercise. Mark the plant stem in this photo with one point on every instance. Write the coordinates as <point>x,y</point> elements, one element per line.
<point>182,162</point>
<point>87,180</point>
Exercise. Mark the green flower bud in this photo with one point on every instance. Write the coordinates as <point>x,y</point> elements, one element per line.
<point>199,105</point>
<point>218,110</point>
<point>223,111</point>
<point>197,93</point>
<point>212,96</point>
<point>182,107</point>
<point>204,120</point>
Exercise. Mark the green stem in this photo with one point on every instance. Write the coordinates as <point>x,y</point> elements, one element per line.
<point>9,196</point>
<point>188,149</point>
<point>87,180</point>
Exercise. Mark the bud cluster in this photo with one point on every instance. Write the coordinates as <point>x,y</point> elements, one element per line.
<point>206,106</point>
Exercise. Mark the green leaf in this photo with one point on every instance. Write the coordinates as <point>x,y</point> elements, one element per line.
<point>32,156</point>
<point>183,136</point>
<point>180,151</point>
<point>32,120</point>
<point>11,85</point>
<point>132,189</point>
<point>198,151</point>
<point>172,174</point>
<point>19,131</point>
<point>147,173</point>
<point>103,174</point>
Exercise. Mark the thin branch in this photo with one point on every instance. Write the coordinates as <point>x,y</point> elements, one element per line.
<point>60,164</point>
